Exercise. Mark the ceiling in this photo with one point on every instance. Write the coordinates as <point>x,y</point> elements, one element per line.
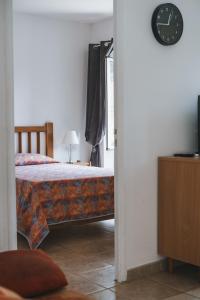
<point>88,11</point>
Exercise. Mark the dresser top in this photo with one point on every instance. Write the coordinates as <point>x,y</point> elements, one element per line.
<point>179,159</point>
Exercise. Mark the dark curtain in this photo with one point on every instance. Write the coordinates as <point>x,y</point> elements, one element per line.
<point>96,98</point>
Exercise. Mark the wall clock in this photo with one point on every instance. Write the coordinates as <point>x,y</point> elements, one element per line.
<point>167,24</point>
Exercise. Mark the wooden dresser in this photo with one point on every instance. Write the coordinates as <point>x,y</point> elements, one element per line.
<point>179,209</point>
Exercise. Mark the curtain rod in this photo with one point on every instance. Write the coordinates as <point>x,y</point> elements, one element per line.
<point>98,45</point>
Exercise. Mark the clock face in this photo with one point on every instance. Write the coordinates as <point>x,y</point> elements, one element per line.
<point>167,24</point>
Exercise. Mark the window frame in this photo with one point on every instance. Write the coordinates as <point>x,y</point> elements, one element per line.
<point>108,146</point>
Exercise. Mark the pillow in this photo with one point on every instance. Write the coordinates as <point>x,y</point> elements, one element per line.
<point>7,294</point>
<point>30,272</point>
<point>24,159</point>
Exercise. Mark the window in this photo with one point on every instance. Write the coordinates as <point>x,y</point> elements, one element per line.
<point>110,140</point>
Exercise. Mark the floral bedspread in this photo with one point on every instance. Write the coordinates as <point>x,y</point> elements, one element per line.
<point>55,193</point>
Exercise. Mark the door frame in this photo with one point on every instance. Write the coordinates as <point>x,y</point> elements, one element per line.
<point>8,226</point>
<point>120,195</point>
<point>120,203</point>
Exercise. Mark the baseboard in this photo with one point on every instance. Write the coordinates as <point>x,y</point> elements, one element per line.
<point>147,270</point>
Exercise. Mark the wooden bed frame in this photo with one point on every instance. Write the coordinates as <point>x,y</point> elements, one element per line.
<point>47,129</point>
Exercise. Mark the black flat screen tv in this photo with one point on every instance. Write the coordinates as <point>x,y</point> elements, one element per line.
<point>198,124</point>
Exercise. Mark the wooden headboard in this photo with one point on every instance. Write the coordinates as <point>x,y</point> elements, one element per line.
<point>47,129</point>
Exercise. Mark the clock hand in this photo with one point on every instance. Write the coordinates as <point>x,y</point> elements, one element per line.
<point>164,24</point>
<point>170,17</point>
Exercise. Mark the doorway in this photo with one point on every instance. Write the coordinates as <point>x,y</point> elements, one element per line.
<point>94,34</point>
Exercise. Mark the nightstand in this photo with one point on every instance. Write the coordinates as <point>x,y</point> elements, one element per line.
<point>82,163</point>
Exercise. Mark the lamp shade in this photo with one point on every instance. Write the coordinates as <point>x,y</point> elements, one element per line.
<point>71,138</point>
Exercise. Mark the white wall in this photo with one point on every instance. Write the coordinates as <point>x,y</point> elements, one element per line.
<point>157,90</point>
<point>51,76</point>
<point>8,231</point>
<point>103,31</point>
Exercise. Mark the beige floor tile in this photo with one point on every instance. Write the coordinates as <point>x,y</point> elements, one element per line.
<point>82,285</point>
<point>195,292</point>
<point>107,257</point>
<point>94,247</point>
<point>81,264</point>
<point>144,290</point>
<point>65,241</point>
<point>105,295</point>
<point>182,297</point>
<point>183,279</point>
<point>104,276</point>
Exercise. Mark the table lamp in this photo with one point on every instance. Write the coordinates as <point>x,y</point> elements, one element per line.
<point>70,139</point>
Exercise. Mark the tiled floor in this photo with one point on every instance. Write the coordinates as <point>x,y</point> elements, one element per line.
<point>86,255</point>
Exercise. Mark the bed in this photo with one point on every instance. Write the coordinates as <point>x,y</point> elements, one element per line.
<point>50,193</point>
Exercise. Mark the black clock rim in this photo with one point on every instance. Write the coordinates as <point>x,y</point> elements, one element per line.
<point>154,26</point>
